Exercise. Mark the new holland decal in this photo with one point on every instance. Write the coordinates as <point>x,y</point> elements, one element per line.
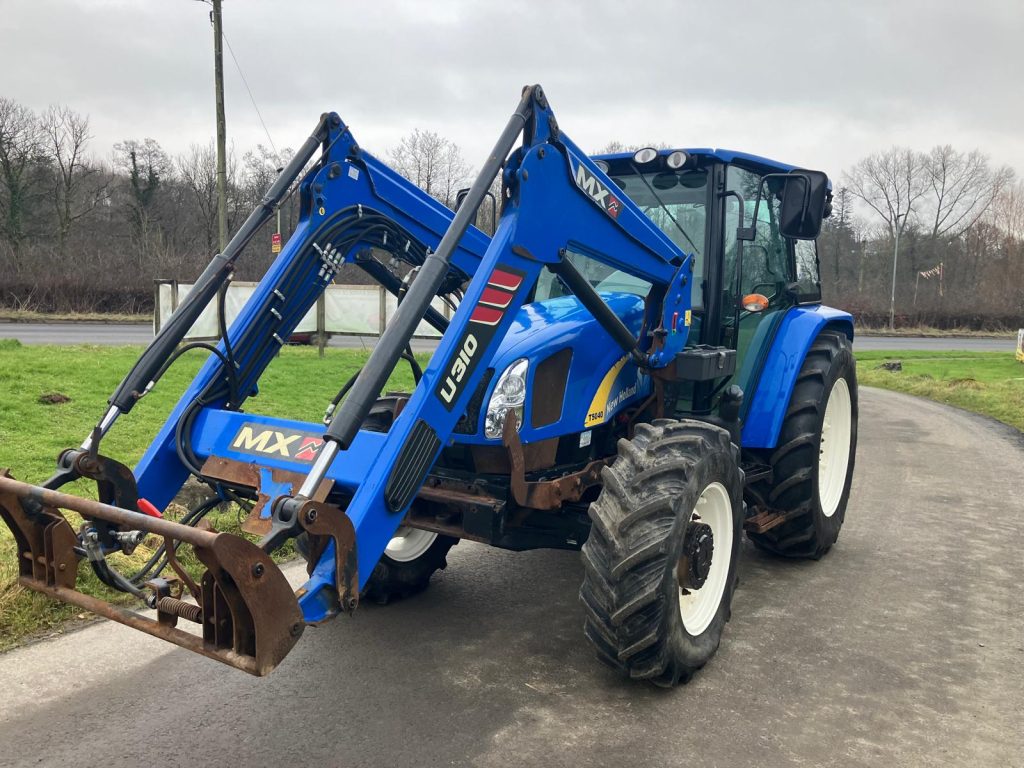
<point>618,385</point>
<point>488,312</point>
<point>261,440</point>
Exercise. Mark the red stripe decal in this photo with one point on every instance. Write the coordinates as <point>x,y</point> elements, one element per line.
<point>485,315</point>
<point>496,298</point>
<point>501,279</point>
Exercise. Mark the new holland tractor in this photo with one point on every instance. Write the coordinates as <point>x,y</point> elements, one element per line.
<point>639,367</point>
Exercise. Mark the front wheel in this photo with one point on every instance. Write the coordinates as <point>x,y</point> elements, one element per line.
<point>660,562</point>
<point>410,559</point>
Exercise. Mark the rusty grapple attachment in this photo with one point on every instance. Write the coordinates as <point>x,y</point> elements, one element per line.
<point>249,616</point>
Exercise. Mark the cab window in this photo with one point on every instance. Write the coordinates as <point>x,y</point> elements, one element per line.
<point>808,280</point>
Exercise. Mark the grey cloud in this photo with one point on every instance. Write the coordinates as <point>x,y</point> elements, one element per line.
<point>812,82</point>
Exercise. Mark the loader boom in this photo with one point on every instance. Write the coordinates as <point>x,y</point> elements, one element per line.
<point>349,489</point>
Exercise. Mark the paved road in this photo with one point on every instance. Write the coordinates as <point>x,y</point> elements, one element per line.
<point>931,343</point>
<point>903,647</point>
<point>110,333</point>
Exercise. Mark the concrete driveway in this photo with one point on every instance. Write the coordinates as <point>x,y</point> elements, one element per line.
<point>903,647</point>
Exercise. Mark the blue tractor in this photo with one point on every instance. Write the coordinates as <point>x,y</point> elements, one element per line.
<point>639,366</point>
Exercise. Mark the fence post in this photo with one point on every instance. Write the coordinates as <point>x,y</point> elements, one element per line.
<point>156,307</point>
<point>321,322</point>
<point>382,320</point>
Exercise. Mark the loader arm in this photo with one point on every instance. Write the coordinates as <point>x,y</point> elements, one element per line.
<point>555,199</point>
<point>348,489</point>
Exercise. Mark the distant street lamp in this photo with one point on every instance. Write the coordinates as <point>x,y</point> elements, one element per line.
<point>895,259</point>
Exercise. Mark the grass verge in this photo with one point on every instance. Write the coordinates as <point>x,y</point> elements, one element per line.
<point>52,397</point>
<point>990,383</point>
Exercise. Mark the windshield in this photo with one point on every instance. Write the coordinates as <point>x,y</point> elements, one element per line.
<point>677,202</point>
<point>603,278</point>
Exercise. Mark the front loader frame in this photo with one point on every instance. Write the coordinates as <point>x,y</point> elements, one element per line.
<point>355,488</point>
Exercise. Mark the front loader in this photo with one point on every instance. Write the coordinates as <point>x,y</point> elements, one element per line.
<point>638,367</point>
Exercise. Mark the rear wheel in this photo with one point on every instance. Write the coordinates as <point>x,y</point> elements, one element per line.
<point>660,562</point>
<point>813,465</point>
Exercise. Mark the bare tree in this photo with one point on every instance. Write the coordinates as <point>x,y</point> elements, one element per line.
<point>146,164</point>
<point>198,170</point>
<point>20,149</point>
<point>891,183</point>
<point>431,162</point>
<point>962,187</point>
<point>260,168</point>
<point>66,135</point>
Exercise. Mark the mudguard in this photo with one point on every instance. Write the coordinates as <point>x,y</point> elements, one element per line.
<point>797,331</point>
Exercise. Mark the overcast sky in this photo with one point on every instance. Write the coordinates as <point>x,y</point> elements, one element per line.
<point>818,83</point>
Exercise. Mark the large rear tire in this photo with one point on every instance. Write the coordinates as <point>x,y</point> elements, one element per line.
<point>660,561</point>
<point>812,467</point>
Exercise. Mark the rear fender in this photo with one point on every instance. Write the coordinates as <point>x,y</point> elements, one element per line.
<point>798,330</point>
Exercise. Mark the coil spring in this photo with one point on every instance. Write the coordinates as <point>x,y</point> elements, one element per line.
<point>181,609</point>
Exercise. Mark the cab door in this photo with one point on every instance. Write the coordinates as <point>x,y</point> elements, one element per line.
<point>766,270</point>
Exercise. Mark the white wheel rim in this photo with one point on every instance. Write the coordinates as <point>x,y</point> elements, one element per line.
<point>834,448</point>
<point>409,543</point>
<point>698,607</point>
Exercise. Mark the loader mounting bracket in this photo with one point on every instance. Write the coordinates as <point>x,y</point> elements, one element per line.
<point>324,523</point>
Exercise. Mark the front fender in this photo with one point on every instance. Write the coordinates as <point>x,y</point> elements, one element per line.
<point>798,330</point>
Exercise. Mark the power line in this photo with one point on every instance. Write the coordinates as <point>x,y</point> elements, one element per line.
<point>251,97</point>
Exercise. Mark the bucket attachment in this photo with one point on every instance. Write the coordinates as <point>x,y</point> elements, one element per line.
<point>249,616</point>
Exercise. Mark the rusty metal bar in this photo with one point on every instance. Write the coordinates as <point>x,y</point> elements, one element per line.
<point>131,619</point>
<point>90,508</point>
<point>250,617</point>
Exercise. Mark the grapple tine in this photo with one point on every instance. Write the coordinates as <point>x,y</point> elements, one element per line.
<point>249,615</point>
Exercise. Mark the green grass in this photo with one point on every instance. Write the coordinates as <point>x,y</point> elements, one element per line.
<point>990,383</point>
<point>297,385</point>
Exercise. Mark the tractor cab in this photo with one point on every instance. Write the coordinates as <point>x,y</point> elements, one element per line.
<point>726,209</point>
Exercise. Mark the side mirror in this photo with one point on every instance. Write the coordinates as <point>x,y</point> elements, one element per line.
<point>804,198</point>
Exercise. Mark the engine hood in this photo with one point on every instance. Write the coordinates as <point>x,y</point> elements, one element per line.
<point>599,370</point>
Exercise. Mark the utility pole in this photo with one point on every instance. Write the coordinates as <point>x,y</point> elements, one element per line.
<point>222,174</point>
<point>895,258</point>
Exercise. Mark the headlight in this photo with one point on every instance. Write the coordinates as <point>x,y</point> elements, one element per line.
<point>509,392</point>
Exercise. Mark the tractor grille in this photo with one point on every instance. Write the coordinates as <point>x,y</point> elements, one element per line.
<point>411,466</point>
<point>549,388</point>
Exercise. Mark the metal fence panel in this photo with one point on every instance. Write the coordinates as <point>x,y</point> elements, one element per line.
<point>361,310</point>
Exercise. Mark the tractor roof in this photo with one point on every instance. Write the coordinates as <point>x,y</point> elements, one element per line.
<point>723,155</point>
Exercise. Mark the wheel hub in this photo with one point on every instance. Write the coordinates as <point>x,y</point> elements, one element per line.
<point>698,549</point>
